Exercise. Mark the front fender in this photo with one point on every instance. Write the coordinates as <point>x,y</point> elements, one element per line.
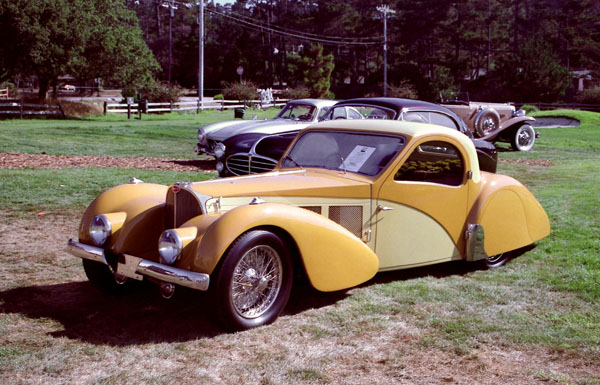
<point>143,205</point>
<point>510,215</point>
<point>333,258</point>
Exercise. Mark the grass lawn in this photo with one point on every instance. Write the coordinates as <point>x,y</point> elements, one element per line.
<point>534,320</point>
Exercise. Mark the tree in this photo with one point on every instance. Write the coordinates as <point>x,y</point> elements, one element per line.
<point>87,39</point>
<point>317,70</point>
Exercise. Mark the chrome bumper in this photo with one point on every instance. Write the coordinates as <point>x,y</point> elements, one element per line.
<point>134,267</point>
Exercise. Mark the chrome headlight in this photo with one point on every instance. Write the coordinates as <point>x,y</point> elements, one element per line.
<point>219,150</point>
<point>520,112</point>
<point>201,136</point>
<point>169,247</point>
<point>100,230</point>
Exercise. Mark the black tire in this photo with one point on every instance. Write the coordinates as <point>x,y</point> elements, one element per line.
<point>104,280</point>
<point>253,282</point>
<point>523,138</point>
<point>487,121</point>
<point>495,260</point>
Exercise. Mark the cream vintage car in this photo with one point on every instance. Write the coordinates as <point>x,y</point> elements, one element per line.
<point>347,200</point>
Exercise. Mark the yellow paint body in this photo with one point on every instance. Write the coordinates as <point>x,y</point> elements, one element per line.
<point>402,224</point>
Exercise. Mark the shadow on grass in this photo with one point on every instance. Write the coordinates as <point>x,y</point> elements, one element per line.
<point>144,317</point>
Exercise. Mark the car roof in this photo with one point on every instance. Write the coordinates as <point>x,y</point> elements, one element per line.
<point>316,102</point>
<point>396,104</point>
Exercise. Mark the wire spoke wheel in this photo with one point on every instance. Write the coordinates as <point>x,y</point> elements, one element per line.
<point>256,281</point>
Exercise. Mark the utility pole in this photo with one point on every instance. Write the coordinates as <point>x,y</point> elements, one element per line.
<point>172,7</point>
<point>385,9</point>
<point>200,51</point>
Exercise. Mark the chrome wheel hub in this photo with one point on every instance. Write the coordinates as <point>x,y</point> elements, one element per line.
<point>256,281</point>
<point>488,125</point>
<point>524,138</point>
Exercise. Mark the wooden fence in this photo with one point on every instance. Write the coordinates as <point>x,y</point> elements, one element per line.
<point>18,108</point>
<point>138,108</point>
<point>3,93</point>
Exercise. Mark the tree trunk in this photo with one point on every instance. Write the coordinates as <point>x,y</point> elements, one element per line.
<point>43,90</point>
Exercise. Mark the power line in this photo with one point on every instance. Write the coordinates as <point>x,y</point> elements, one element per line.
<point>341,41</point>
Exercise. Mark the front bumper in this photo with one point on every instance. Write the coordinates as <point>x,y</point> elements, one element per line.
<point>133,267</point>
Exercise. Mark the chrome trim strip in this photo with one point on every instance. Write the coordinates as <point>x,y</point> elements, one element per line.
<point>86,252</point>
<point>198,281</point>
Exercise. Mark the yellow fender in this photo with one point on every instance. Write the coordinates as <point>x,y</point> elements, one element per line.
<point>143,206</point>
<point>333,258</point>
<point>510,215</point>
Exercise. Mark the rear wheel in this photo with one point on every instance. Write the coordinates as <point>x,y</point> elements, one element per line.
<point>254,281</point>
<point>523,138</point>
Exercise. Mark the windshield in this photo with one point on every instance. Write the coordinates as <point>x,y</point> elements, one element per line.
<point>360,112</point>
<point>298,112</point>
<point>362,153</point>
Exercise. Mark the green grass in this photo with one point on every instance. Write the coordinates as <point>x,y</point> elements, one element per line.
<point>545,301</point>
<point>169,135</point>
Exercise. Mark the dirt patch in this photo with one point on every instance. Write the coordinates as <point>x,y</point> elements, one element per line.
<point>55,162</point>
<point>529,162</point>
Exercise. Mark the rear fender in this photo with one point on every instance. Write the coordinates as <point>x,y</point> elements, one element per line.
<point>510,215</point>
<point>333,258</point>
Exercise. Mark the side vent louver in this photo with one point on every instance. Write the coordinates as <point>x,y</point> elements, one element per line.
<point>314,209</point>
<point>350,217</point>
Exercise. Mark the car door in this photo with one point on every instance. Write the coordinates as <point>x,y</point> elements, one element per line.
<point>422,207</point>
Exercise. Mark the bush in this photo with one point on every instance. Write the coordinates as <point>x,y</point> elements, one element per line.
<point>218,97</point>
<point>528,108</point>
<point>589,96</point>
<point>162,92</point>
<point>295,93</point>
<point>242,91</point>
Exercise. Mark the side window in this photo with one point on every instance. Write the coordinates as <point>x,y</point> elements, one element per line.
<point>339,113</point>
<point>443,120</point>
<point>433,162</point>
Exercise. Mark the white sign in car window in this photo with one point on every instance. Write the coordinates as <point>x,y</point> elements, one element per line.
<point>355,160</point>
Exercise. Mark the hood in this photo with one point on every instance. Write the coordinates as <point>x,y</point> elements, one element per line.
<point>219,125</point>
<point>271,126</point>
<point>302,183</point>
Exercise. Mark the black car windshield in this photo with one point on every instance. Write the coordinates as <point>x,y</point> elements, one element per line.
<point>298,112</point>
<point>360,112</point>
<point>362,153</point>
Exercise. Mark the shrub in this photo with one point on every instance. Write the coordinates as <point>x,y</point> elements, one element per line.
<point>218,97</point>
<point>589,96</point>
<point>242,91</point>
<point>162,92</point>
<point>296,93</point>
<point>528,108</point>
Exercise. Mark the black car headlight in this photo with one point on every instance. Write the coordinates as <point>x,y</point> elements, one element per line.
<point>201,136</point>
<point>100,229</point>
<point>219,150</point>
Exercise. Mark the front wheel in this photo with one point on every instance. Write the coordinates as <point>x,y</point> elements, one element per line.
<point>523,138</point>
<point>253,283</point>
<point>104,280</point>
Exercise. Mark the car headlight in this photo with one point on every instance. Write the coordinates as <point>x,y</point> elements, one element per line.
<point>169,247</point>
<point>100,230</point>
<point>219,150</point>
<point>520,112</point>
<point>201,136</point>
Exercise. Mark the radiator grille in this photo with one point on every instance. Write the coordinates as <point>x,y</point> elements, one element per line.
<point>244,164</point>
<point>180,207</point>
<point>350,217</point>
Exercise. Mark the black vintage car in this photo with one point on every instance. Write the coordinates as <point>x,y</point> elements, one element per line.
<point>255,153</point>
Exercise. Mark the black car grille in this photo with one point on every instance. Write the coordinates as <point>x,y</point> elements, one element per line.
<point>180,207</point>
<point>244,164</point>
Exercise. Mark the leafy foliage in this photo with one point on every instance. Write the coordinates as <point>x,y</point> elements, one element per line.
<point>243,91</point>
<point>317,69</point>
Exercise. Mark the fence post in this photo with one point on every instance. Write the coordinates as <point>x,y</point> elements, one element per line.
<point>21,110</point>
<point>128,110</point>
<point>198,106</point>
<point>105,106</point>
<point>170,106</point>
